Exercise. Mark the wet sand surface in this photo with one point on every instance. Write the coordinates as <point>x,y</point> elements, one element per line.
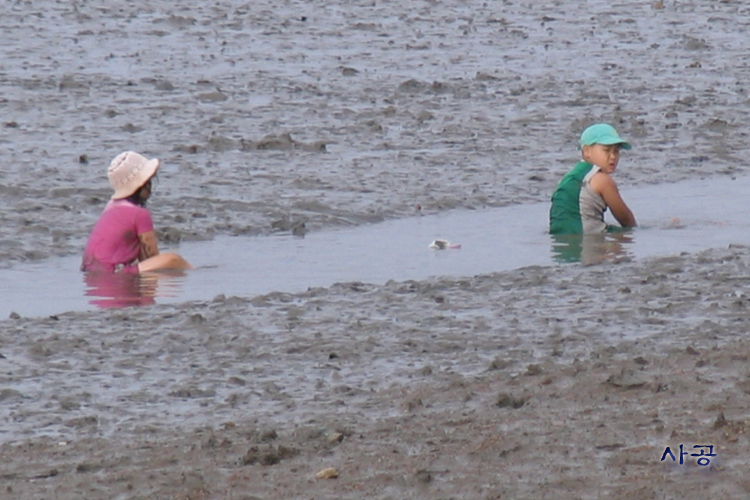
<point>439,105</point>
<point>548,381</point>
<point>526,384</point>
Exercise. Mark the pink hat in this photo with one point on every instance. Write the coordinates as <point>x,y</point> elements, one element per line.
<point>128,172</point>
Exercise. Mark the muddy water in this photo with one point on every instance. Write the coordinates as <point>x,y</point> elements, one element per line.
<point>683,217</point>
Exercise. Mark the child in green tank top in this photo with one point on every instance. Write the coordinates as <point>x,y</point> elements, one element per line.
<point>588,190</point>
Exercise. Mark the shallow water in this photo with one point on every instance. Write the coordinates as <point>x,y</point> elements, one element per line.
<point>681,217</point>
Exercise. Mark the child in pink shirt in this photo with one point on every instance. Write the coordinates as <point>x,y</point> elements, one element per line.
<point>123,239</point>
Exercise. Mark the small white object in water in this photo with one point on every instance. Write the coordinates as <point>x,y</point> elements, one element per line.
<point>442,245</point>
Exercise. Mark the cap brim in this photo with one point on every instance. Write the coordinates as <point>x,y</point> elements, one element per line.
<point>608,141</point>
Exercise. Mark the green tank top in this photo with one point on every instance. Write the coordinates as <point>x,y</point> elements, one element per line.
<point>576,208</point>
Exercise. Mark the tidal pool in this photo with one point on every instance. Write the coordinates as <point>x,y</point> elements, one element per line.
<point>681,217</point>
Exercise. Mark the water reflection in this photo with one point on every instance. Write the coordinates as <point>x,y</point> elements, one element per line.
<point>117,290</point>
<point>591,249</point>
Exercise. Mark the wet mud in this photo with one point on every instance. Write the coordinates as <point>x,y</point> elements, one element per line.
<point>544,382</point>
<point>270,117</point>
<point>524,384</point>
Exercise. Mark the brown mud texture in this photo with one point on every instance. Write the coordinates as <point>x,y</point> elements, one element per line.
<point>563,383</point>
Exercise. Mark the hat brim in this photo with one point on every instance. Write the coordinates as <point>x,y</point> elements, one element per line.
<point>608,141</point>
<point>146,173</point>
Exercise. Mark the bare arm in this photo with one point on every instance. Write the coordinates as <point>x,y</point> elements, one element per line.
<point>603,184</point>
<point>151,260</point>
<point>149,245</point>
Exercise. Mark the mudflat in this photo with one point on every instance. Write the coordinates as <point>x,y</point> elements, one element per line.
<point>543,382</point>
<point>269,117</point>
<point>525,384</point>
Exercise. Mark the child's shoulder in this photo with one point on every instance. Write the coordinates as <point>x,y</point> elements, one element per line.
<point>601,181</point>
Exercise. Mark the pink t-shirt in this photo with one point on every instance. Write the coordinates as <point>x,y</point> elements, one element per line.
<point>114,239</point>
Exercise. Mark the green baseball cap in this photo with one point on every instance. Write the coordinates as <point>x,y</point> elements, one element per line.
<point>602,133</point>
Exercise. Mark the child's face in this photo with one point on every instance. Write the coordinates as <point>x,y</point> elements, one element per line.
<point>604,157</point>
<point>146,191</point>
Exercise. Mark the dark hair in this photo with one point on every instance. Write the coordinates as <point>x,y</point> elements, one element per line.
<point>137,197</point>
